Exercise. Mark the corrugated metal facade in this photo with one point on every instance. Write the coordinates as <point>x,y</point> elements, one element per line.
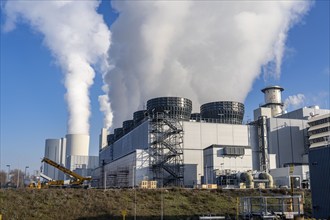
<point>288,140</point>
<point>319,162</point>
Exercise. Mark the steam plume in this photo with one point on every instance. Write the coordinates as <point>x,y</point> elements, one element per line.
<point>77,37</point>
<point>294,101</point>
<point>205,51</point>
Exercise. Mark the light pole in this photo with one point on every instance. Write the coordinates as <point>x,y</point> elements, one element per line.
<point>133,183</point>
<point>206,181</point>
<point>26,167</point>
<point>221,173</point>
<point>17,178</point>
<point>8,172</point>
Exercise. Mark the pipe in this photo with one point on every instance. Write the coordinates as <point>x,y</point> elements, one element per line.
<point>247,179</point>
<point>267,176</point>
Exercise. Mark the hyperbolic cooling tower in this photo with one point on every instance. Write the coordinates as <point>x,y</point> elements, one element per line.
<point>77,144</point>
<point>174,107</point>
<point>227,112</point>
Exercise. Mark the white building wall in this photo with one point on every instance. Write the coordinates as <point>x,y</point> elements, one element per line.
<point>214,159</point>
<point>136,162</point>
<point>199,135</point>
<point>281,176</point>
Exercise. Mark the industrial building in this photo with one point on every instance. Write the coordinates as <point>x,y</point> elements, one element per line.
<point>319,162</point>
<point>168,143</point>
<point>70,152</point>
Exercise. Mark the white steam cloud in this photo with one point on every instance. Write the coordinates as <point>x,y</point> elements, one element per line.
<point>205,51</point>
<point>294,101</point>
<point>78,38</point>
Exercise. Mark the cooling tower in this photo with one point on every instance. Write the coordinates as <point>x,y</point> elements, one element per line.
<point>118,132</point>
<point>110,138</point>
<point>174,107</point>
<point>127,126</point>
<point>77,144</point>
<point>195,116</point>
<point>226,112</point>
<point>139,116</point>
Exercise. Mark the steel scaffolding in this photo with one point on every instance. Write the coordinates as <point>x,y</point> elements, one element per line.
<point>263,144</point>
<point>166,150</point>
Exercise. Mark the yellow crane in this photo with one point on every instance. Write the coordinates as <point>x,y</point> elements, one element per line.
<point>76,181</point>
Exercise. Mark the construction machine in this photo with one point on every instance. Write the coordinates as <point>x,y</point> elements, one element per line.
<point>76,179</point>
<point>51,182</point>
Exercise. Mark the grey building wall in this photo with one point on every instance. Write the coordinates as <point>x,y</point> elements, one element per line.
<point>287,138</point>
<point>138,138</point>
<point>319,162</point>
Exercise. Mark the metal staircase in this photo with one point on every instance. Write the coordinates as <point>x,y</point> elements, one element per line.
<point>166,150</point>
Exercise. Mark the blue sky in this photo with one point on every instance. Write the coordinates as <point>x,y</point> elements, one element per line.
<point>32,92</point>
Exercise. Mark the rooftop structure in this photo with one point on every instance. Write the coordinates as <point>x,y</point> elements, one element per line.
<point>273,99</point>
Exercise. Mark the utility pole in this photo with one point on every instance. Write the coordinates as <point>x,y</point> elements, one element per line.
<point>8,173</point>
<point>17,178</point>
<point>133,182</point>
<point>105,180</point>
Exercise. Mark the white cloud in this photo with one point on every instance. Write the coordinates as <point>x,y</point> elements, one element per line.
<point>294,101</point>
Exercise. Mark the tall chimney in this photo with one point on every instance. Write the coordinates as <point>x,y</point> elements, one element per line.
<point>273,99</point>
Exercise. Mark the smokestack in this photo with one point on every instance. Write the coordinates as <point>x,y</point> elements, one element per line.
<point>273,99</point>
<point>77,144</point>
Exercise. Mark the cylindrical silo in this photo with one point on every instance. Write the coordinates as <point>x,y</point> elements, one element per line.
<point>53,151</point>
<point>174,107</point>
<point>77,144</point>
<point>227,112</point>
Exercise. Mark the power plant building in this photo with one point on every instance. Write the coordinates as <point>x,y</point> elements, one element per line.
<point>70,152</point>
<point>170,144</point>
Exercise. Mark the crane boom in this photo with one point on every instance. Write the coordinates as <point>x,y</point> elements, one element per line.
<point>78,178</point>
<point>45,177</point>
